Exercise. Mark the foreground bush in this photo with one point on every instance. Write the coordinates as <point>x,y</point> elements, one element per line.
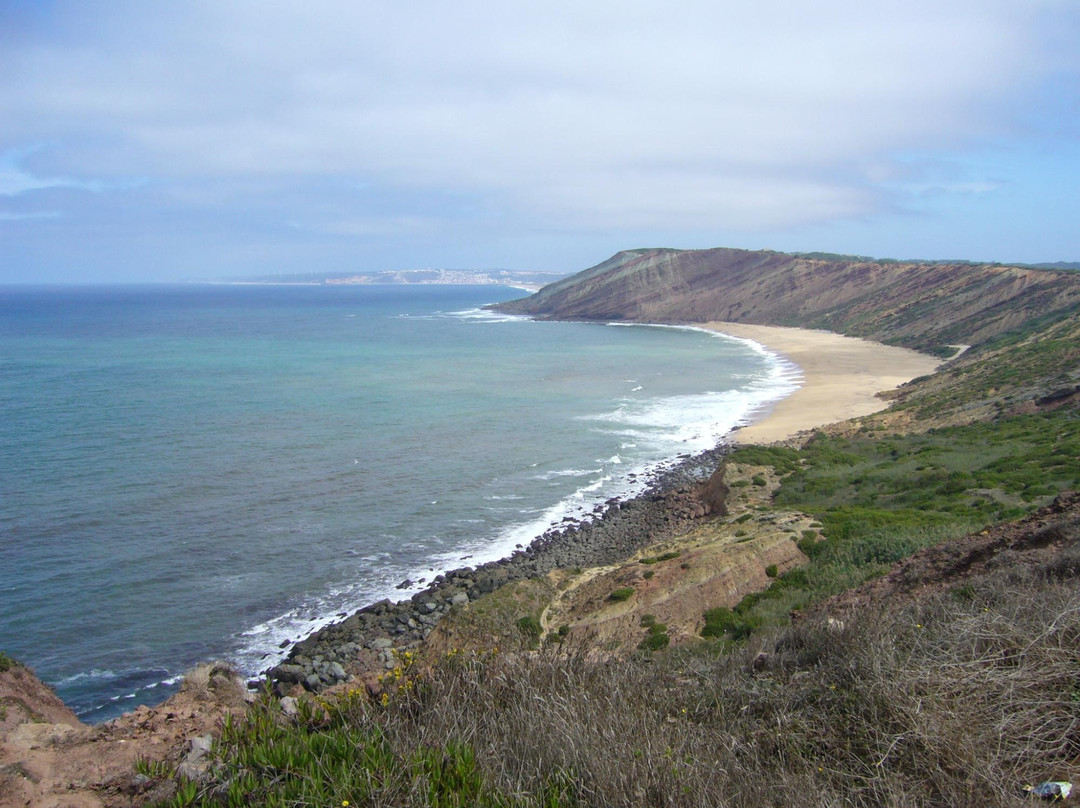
<point>958,701</point>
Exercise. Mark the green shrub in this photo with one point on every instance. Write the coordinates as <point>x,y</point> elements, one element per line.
<point>782,459</point>
<point>746,517</point>
<point>810,547</point>
<point>621,594</point>
<point>963,592</point>
<point>558,636</point>
<point>794,578</point>
<point>772,570</point>
<point>333,755</point>
<point>724,622</point>
<point>648,574</point>
<point>749,601</point>
<point>648,620</point>
<point>718,621</point>
<point>529,626</point>
<point>6,662</point>
<point>758,480</point>
<point>655,642</point>
<point>668,556</point>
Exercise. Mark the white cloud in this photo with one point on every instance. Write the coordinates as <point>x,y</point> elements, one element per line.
<point>750,115</point>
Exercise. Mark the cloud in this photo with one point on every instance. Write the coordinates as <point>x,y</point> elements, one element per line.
<point>599,114</point>
<point>14,180</point>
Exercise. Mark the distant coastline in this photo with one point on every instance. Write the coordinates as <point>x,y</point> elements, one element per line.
<point>518,279</point>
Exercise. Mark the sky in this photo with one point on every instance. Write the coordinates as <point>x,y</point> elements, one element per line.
<point>229,138</point>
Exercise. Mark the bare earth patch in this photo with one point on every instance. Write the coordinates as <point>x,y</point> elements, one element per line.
<point>48,758</point>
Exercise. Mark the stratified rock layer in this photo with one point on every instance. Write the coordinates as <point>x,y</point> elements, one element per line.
<point>917,305</point>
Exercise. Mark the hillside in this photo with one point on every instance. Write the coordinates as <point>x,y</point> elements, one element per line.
<point>916,305</point>
<point>1021,325</point>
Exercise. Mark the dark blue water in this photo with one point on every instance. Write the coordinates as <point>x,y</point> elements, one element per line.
<point>204,471</point>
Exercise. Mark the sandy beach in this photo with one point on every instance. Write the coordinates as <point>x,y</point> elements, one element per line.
<point>841,377</point>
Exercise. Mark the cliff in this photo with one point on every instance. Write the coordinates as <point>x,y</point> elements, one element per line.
<point>49,758</point>
<point>923,306</point>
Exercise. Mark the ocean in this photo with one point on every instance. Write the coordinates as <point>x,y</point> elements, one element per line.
<point>206,471</point>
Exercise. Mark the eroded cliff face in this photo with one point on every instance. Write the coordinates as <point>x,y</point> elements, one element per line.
<point>48,758</point>
<point>919,306</point>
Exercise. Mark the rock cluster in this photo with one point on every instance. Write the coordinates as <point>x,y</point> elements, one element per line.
<point>366,641</point>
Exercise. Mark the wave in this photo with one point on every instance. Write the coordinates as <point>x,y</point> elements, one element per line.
<point>656,434</point>
<point>666,429</point>
<point>100,694</point>
<point>485,316</point>
<point>551,475</point>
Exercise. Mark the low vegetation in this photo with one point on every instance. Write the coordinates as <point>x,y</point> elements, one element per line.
<point>529,626</point>
<point>668,556</point>
<point>511,612</point>
<point>878,498</point>
<point>6,662</point>
<point>1037,360</point>
<point>959,700</point>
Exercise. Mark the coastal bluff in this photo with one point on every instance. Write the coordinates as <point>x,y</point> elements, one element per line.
<point>920,305</point>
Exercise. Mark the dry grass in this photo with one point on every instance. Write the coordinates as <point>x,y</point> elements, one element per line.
<point>959,701</point>
<point>216,681</point>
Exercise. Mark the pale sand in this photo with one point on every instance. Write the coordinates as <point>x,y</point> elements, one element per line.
<point>841,376</point>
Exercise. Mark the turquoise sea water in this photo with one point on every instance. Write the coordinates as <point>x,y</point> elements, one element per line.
<point>205,471</point>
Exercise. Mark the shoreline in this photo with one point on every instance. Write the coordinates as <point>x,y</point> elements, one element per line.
<point>365,642</point>
<point>842,377</point>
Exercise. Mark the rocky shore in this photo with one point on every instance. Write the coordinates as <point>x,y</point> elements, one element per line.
<point>366,641</point>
